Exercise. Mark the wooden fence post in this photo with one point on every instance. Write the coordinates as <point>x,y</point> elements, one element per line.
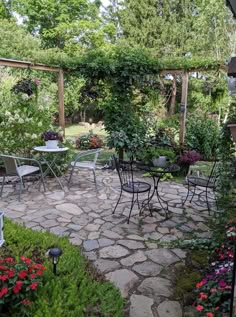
<point>61,100</point>
<point>183,110</point>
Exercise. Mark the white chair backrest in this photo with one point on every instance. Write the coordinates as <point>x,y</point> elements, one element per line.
<point>94,152</point>
<point>10,164</point>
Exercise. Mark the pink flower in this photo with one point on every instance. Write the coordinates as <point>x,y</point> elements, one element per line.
<point>222,283</point>
<point>199,307</point>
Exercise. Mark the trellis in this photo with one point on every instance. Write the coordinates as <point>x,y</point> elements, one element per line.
<point>29,65</point>
<point>183,72</point>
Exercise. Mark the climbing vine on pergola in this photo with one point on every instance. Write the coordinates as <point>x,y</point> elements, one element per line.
<point>122,69</point>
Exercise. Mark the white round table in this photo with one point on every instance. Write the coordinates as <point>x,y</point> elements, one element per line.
<point>51,166</point>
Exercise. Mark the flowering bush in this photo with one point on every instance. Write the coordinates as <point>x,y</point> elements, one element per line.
<point>51,135</point>
<point>22,119</point>
<point>19,281</point>
<point>189,157</point>
<point>89,141</point>
<point>214,291</point>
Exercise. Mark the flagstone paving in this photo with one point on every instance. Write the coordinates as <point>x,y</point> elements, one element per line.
<point>127,254</point>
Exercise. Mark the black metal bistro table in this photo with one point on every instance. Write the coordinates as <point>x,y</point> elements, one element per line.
<point>156,173</point>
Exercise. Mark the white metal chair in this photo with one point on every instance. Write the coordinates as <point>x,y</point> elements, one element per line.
<point>14,167</point>
<point>89,165</point>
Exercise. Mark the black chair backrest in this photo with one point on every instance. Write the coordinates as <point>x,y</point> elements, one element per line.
<point>124,170</point>
<point>214,172</point>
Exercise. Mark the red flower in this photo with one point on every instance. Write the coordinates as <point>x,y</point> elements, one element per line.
<point>11,273</point>
<point>217,308</point>
<point>32,276</point>
<point>26,260</point>
<point>203,296</point>
<point>3,291</point>
<point>25,302</point>
<point>39,273</point>
<point>33,286</point>
<point>22,274</point>
<point>3,268</point>
<point>39,266</point>
<point>199,307</point>
<point>222,283</point>
<point>9,260</point>
<point>3,277</point>
<point>17,287</point>
<point>209,314</point>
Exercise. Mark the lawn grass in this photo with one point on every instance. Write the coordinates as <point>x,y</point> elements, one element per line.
<point>75,130</point>
<point>76,291</point>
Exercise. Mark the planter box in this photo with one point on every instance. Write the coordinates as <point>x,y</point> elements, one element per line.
<point>233,130</point>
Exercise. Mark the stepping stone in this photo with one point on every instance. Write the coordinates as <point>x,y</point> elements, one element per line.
<point>170,309</point>
<point>139,256</point>
<point>70,208</point>
<point>105,242</point>
<point>123,279</point>
<point>148,268</point>
<point>155,287</point>
<point>105,266</point>
<point>140,306</point>
<point>57,195</point>
<point>180,253</point>
<point>153,236</point>
<point>162,256</point>
<point>92,227</point>
<point>115,251</point>
<point>90,245</point>
<point>131,244</point>
<point>135,237</point>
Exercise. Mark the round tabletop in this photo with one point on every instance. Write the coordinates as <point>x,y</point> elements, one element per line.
<point>45,149</point>
<point>157,170</point>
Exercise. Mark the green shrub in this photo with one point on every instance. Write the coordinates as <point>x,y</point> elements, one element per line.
<point>202,134</point>
<point>76,291</point>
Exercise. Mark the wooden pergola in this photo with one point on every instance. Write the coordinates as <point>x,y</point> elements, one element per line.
<point>182,72</point>
<point>58,70</point>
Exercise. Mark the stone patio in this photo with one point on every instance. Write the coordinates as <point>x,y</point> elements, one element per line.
<point>128,254</point>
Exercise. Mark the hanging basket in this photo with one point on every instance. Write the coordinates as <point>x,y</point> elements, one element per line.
<point>233,130</point>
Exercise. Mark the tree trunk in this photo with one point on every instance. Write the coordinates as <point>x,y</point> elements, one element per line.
<point>173,96</point>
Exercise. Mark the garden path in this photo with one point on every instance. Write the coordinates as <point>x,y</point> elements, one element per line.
<point>127,254</point>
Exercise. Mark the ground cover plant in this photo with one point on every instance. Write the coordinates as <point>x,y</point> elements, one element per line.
<point>77,290</point>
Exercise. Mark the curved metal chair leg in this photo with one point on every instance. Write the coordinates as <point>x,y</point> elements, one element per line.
<point>131,208</point>
<point>71,173</point>
<point>117,202</point>
<point>150,209</point>
<point>194,191</point>
<point>187,194</point>
<point>94,177</point>
<point>21,184</point>
<point>3,182</point>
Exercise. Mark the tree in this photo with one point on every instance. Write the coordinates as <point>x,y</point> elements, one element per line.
<point>5,9</point>
<point>63,23</point>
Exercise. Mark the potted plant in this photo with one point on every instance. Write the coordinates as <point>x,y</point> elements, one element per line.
<point>161,156</point>
<point>51,139</point>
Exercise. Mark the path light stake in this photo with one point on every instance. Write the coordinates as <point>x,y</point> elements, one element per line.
<point>55,254</point>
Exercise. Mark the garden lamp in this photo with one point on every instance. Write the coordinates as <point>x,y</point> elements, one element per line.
<point>55,254</point>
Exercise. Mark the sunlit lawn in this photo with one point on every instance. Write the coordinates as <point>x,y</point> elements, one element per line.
<point>76,130</point>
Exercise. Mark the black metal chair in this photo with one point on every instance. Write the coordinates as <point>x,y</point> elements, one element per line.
<point>208,183</point>
<point>129,185</point>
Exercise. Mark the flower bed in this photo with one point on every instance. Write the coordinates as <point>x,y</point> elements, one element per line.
<point>77,290</point>
<point>89,141</point>
<point>214,290</point>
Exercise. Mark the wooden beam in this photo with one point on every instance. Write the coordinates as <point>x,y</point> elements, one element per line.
<point>183,110</point>
<point>61,100</point>
<point>23,64</point>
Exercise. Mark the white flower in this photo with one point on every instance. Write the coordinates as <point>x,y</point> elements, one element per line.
<point>17,116</point>
<point>40,108</point>
<point>7,113</point>
<point>34,136</point>
<point>40,124</point>
<point>21,120</point>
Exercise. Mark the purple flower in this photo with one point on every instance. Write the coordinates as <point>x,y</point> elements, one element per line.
<point>189,157</point>
<point>51,135</point>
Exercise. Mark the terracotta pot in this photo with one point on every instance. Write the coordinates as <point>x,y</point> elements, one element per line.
<point>233,130</point>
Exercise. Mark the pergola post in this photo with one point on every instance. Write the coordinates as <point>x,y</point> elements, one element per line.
<point>61,100</point>
<point>183,110</point>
